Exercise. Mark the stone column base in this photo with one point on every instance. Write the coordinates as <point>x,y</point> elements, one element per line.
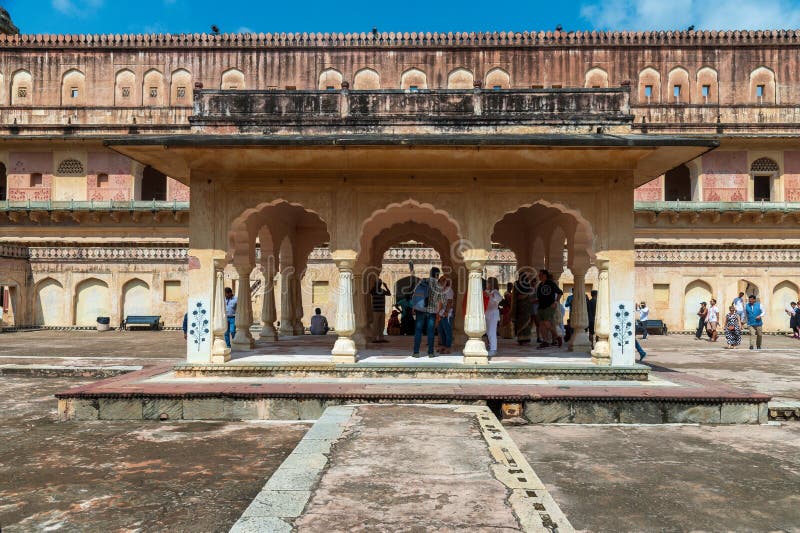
<point>475,352</point>
<point>268,334</point>
<point>344,351</point>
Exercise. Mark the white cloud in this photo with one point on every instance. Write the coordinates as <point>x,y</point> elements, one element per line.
<point>244,29</point>
<point>680,14</point>
<point>76,7</point>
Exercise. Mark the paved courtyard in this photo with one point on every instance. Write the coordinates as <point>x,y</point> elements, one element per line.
<point>127,476</point>
<point>201,476</point>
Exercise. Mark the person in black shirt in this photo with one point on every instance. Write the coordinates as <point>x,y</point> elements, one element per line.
<point>591,312</point>
<point>547,296</point>
<point>379,293</point>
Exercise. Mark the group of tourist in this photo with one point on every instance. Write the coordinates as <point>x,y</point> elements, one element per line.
<point>740,316</point>
<point>529,305</point>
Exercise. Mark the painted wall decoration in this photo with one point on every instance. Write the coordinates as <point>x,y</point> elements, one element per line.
<point>198,332</point>
<point>622,332</point>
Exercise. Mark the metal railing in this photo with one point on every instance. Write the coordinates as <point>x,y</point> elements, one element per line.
<point>717,206</point>
<point>93,205</point>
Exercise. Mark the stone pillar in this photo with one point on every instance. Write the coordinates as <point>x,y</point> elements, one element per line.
<point>360,309</point>
<point>220,353</point>
<point>287,301</point>
<point>344,350</point>
<point>243,340</point>
<point>268,312</point>
<point>578,314</point>
<point>297,300</point>
<point>475,320</point>
<point>601,354</point>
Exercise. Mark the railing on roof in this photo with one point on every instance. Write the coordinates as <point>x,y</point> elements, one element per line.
<point>716,206</point>
<point>94,205</point>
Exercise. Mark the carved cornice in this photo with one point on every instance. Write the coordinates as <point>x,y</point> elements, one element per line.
<point>749,256</point>
<point>42,254</point>
<point>407,39</point>
<point>406,254</point>
<point>14,251</point>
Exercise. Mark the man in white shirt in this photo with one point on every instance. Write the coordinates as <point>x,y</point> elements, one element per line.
<point>738,304</point>
<point>712,319</point>
<point>644,314</point>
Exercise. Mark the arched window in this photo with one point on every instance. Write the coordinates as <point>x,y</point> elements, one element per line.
<point>70,167</point>
<point>21,88</point>
<point>762,86</point>
<point>497,78</point>
<point>153,88</point>
<point>232,79</point>
<point>73,88</point>
<point>154,185</point>
<point>707,89</point>
<point>765,172</point>
<point>678,184</point>
<point>366,79</point>
<point>3,183</point>
<point>460,78</point>
<point>678,86</point>
<point>180,93</point>
<point>125,88</point>
<point>596,78</point>
<point>649,86</point>
<point>413,80</point>
<point>330,79</point>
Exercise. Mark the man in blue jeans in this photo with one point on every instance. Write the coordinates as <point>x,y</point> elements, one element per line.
<point>230,315</point>
<point>426,300</point>
<point>755,322</point>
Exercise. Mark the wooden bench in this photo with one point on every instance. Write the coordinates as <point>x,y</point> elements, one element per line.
<point>149,321</point>
<point>656,327</point>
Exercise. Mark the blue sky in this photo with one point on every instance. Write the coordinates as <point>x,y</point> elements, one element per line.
<point>177,16</point>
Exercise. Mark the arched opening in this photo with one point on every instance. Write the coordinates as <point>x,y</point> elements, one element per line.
<point>649,91</point>
<point>125,88</point>
<point>232,79</point>
<point>783,295</point>
<point>286,234</point>
<point>48,306</point>
<point>678,86</point>
<point>330,79</point>
<point>748,288</point>
<point>762,86</point>
<point>181,88</point>
<point>678,184</point>
<point>546,236</point>
<point>596,78</point>
<point>21,88</point>
<point>460,78</point>
<point>3,183</point>
<point>707,91</point>
<point>497,79</point>
<point>92,300</point>
<point>765,172</point>
<point>366,79</point>
<point>413,80</point>
<point>136,299</point>
<point>154,185</point>
<point>153,89</point>
<point>73,88</point>
<point>696,292</point>
<point>403,241</point>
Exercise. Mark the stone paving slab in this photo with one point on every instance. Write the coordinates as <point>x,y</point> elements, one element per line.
<point>109,476</point>
<point>405,468</point>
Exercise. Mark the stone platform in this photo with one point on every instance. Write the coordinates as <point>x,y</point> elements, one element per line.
<point>158,392</point>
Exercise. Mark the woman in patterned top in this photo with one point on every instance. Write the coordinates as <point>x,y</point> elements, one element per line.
<point>733,328</point>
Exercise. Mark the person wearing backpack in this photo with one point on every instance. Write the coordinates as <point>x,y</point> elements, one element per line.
<point>426,300</point>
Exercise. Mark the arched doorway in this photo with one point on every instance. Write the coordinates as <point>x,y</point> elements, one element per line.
<point>92,300</point>
<point>678,184</point>
<point>154,185</point>
<point>405,228</point>
<point>49,303</point>
<point>696,292</point>
<point>286,234</point>
<point>783,295</point>
<point>552,237</point>
<point>136,299</point>
<point>748,288</point>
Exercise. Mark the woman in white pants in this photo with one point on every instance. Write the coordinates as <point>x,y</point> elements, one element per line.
<point>492,313</point>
